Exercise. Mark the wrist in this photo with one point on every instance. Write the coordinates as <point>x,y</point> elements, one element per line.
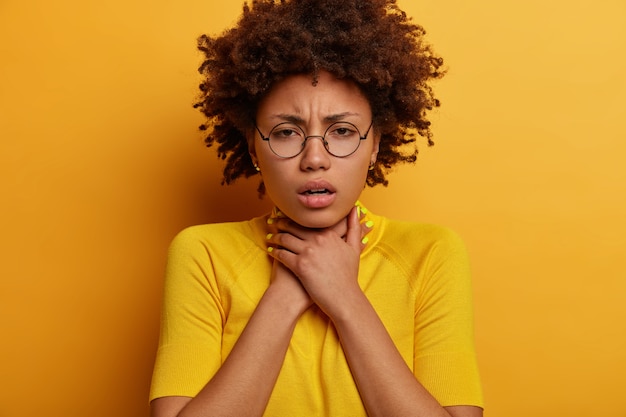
<point>351,305</point>
<point>292,304</point>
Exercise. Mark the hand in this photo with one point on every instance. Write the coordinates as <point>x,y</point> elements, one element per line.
<point>325,261</point>
<point>285,280</point>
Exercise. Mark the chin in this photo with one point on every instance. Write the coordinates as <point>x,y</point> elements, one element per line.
<point>318,220</point>
<point>314,223</point>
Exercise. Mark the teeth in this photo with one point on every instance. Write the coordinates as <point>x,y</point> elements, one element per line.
<point>320,191</point>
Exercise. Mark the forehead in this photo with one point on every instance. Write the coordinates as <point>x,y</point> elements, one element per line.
<point>326,97</point>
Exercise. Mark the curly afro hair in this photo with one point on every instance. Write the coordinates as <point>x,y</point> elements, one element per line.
<point>370,42</point>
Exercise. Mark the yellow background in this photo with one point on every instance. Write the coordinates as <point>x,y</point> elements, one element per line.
<point>101,164</point>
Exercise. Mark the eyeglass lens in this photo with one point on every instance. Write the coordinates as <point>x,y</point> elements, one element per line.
<point>340,139</point>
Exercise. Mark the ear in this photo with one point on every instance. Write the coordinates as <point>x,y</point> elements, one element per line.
<point>251,147</point>
<point>375,148</point>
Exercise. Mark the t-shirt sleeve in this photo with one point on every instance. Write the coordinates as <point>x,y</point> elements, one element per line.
<point>189,350</point>
<point>444,353</point>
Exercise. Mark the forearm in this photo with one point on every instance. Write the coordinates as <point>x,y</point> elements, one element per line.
<point>386,384</point>
<point>244,382</point>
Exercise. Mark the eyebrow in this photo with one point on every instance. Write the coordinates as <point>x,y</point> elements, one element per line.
<point>327,119</point>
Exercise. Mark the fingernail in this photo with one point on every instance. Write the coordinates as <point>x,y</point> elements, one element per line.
<point>364,210</point>
<point>270,220</point>
<point>269,236</point>
<point>365,240</point>
<point>270,249</point>
<point>369,224</point>
<point>358,212</point>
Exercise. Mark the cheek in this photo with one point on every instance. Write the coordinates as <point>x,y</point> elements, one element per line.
<point>276,176</point>
<point>355,175</point>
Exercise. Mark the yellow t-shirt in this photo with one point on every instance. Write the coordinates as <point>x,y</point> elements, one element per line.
<point>416,276</point>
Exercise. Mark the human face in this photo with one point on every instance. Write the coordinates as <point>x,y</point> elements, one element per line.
<point>314,188</point>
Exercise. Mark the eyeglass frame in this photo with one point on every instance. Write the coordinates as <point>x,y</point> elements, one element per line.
<point>324,142</point>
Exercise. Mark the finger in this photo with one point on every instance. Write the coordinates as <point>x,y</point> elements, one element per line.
<point>271,224</point>
<point>354,235</point>
<point>289,226</point>
<point>361,212</point>
<point>284,240</point>
<point>285,257</point>
<point>366,227</point>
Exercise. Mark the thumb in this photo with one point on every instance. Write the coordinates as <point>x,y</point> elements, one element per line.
<point>353,237</point>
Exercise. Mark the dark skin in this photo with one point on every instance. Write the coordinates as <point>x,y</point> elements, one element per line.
<point>253,366</point>
<point>312,265</point>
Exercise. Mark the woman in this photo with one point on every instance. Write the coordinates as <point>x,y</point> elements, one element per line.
<point>320,308</point>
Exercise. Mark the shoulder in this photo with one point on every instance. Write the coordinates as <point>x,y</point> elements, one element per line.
<point>210,231</point>
<point>420,246</point>
<point>224,237</point>
<point>420,235</point>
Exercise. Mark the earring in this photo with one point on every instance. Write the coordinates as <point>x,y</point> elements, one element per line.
<point>257,168</point>
<point>371,168</point>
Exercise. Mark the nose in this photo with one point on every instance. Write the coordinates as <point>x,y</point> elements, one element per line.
<point>314,156</point>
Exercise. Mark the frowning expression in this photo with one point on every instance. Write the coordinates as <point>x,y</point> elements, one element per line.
<point>314,188</point>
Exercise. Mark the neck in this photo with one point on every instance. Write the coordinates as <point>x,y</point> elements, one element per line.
<point>341,227</point>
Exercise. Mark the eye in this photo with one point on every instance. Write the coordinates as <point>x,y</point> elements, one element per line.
<point>343,131</point>
<point>284,132</point>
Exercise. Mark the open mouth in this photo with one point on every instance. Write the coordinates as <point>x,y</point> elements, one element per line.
<point>318,187</point>
<point>318,191</point>
<point>317,194</point>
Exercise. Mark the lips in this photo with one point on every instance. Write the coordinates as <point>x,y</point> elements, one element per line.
<point>317,194</point>
<point>318,191</point>
<point>317,187</point>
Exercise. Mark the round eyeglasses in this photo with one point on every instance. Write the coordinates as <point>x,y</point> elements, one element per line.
<point>341,139</point>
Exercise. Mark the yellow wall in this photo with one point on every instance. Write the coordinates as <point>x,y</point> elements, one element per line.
<point>101,163</point>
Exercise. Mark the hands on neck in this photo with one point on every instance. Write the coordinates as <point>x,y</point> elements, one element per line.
<point>341,227</point>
